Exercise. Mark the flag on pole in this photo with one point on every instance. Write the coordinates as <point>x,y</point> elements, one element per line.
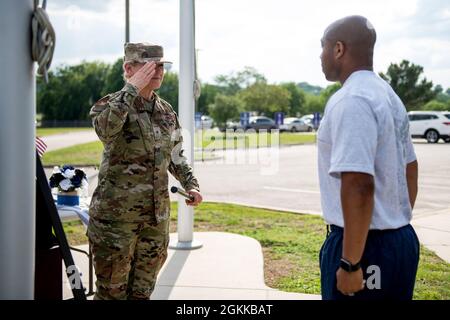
<point>40,146</point>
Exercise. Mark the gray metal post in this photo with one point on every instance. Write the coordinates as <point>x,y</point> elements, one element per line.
<point>127,20</point>
<point>17,157</point>
<point>186,106</point>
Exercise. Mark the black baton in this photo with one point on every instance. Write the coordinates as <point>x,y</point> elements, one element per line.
<point>182,192</point>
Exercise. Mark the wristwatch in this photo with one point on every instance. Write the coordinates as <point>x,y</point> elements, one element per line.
<point>348,266</point>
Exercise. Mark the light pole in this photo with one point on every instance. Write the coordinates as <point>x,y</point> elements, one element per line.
<point>127,21</point>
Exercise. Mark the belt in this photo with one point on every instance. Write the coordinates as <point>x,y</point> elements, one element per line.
<point>335,228</point>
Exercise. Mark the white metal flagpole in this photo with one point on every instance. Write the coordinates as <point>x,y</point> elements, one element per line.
<point>186,106</point>
<point>18,155</point>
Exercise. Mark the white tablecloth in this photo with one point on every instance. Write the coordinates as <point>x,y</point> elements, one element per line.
<point>67,212</point>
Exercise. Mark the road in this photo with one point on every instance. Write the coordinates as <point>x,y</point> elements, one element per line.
<point>294,185</point>
<point>69,139</point>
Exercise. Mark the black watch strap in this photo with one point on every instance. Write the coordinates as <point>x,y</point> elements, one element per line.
<point>348,266</point>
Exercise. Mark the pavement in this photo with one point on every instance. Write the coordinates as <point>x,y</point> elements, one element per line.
<point>64,140</point>
<point>433,231</point>
<point>227,267</point>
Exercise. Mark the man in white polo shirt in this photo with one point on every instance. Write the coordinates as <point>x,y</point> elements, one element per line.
<point>368,174</point>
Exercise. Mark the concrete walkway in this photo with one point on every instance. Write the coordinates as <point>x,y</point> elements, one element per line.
<point>227,267</point>
<point>433,231</point>
<point>64,140</point>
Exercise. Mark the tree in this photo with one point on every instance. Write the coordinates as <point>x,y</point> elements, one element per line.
<point>297,99</point>
<point>114,78</point>
<point>404,79</point>
<point>313,104</point>
<point>308,88</point>
<point>441,96</point>
<point>326,93</point>
<point>265,98</point>
<point>71,91</point>
<point>207,97</point>
<point>435,105</point>
<point>225,108</point>
<point>234,83</point>
<point>438,89</point>
<point>169,89</point>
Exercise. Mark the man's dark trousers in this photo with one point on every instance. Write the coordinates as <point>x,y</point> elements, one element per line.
<point>390,255</point>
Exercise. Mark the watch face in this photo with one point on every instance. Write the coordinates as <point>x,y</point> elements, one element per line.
<point>345,265</point>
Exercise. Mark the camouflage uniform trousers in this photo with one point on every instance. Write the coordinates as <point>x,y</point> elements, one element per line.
<point>127,257</point>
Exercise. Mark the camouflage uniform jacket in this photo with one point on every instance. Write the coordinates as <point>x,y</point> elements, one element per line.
<point>142,140</point>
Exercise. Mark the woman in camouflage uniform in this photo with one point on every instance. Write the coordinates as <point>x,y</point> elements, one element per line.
<point>129,212</point>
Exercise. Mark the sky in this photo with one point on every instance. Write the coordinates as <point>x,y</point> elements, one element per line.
<point>280,38</point>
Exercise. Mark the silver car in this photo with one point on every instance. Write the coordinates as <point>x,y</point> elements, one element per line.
<point>256,123</point>
<point>296,125</point>
<point>261,123</point>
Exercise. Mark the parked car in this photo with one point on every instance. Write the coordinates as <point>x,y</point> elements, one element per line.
<point>307,118</point>
<point>430,125</point>
<point>296,125</point>
<point>256,123</point>
<point>261,123</point>
<point>232,125</point>
<point>205,123</point>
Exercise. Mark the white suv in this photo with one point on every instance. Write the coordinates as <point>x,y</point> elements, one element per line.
<point>431,125</point>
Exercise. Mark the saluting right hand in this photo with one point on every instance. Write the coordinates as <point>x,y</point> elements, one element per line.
<point>143,76</point>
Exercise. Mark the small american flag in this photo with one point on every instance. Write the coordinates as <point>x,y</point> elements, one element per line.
<point>40,146</point>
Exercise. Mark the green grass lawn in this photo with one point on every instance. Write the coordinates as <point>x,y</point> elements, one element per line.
<point>210,139</point>
<point>81,154</point>
<point>90,153</point>
<point>42,132</point>
<point>290,244</point>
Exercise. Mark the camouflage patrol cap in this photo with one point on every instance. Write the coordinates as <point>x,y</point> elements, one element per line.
<point>143,52</point>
